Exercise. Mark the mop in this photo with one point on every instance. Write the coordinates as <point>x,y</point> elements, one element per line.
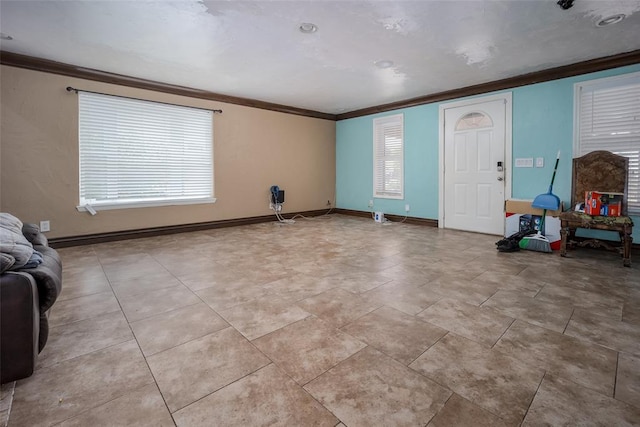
<point>547,201</point>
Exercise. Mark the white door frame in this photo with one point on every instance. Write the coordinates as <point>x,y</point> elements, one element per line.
<point>508,135</point>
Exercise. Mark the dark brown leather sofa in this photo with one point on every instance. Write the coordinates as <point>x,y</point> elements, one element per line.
<point>26,295</point>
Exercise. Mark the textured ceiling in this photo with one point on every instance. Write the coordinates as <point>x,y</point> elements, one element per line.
<point>254,49</point>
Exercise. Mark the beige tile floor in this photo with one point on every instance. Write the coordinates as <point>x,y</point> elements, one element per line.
<point>336,321</point>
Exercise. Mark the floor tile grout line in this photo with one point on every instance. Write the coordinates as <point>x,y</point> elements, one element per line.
<point>222,387</point>
<point>10,397</point>
<point>190,341</point>
<point>491,296</point>
<point>105,403</point>
<point>568,321</point>
<point>55,325</point>
<point>279,329</point>
<point>615,375</point>
<point>334,366</point>
<point>369,345</point>
<point>417,315</point>
<point>170,311</point>
<point>503,333</point>
<point>173,309</point>
<point>304,390</point>
<point>534,397</point>
<point>432,345</point>
<point>447,387</point>
<point>130,338</point>
<point>289,376</point>
<point>146,362</point>
<point>141,293</point>
<point>441,409</point>
<point>87,354</point>
<point>88,295</point>
<point>185,342</point>
<point>156,314</point>
<point>133,337</point>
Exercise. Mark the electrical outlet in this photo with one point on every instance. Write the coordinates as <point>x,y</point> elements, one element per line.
<point>370,203</point>
<point>45,226</point>
<point>328,202</point>
<point>406,207</point>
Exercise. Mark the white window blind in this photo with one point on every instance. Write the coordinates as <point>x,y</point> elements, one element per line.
<point>136,153</point>
<point>388,157</point>
<point>608,118</point>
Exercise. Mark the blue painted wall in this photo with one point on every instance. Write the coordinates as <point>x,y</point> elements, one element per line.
<point>542,125</point>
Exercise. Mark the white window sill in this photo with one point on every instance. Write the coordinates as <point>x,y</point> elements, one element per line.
<point>389,196</point>
<point>147,204</point>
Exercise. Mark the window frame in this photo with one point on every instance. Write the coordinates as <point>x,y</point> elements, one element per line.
<point>579,150</point>
<point>169,133</point>
<point>379,124</point>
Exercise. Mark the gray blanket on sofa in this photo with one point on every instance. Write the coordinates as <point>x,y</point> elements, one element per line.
<point>13,244</point>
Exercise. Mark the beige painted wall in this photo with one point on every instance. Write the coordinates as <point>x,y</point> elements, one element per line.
<point>253,149</point>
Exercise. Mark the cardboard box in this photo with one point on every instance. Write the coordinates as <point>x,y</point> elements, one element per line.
<point>517,206</point>
<point>603,203</point>
<point>519,215</point>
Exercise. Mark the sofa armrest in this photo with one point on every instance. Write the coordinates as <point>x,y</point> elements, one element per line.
<point>48,276</point>
<point>32,233</point>
<point>19,326</point>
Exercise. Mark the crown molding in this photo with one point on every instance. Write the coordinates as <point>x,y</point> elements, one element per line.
<point>54,67</point>
<point>585,67</point>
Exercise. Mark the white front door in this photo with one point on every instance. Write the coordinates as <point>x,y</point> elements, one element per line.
<point>475,162</point>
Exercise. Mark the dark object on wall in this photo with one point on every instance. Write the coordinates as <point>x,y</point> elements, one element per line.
<point>565,4</point>
<point>277,195</point>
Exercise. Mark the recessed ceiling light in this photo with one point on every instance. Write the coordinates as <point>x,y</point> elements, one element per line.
<point>610,20</point>
<point>383,63</point>
<point>4,36</point>
<point>308,28</point>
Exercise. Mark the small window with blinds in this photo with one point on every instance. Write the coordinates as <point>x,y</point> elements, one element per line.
<point>608,118</point>
<point>136,153</point>
<point>388,157</point>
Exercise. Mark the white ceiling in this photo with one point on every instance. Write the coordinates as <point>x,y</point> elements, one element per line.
<point>254,49</point>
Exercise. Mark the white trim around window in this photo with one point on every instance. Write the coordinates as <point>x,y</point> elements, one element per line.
<point>136,153</point>
<point>388,157</point>
<point>607,117</point>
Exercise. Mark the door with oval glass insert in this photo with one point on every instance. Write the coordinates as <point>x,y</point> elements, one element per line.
<point>474,167</point>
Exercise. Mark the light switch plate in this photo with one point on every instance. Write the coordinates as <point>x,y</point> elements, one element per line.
<point>524,162</point>
<point>539,162</point>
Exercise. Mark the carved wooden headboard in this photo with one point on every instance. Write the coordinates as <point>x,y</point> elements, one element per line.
<point>600,171</point>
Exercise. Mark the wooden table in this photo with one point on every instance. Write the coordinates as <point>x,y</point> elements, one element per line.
<point>623,225</point>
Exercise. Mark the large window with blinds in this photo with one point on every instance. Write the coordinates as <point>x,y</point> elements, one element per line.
<point>608,118</point>
<point>136,153</point>
<point>388,157</point>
